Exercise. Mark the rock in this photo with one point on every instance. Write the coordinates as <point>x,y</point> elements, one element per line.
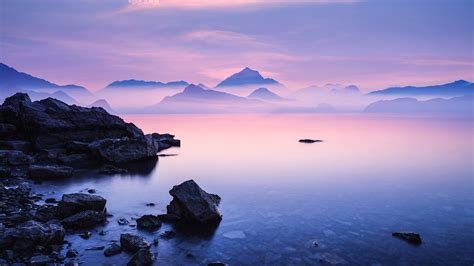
<point>72,253</point>
<point>121,150</point>
<point>5,172</point>
<point>133,243</point>
<point>49,171</point>
<point>95,248</point>
<point>78,202</point>
<point>412,238</point>
<point>19,145</point>
<point>191,203</point>
<point>91,191</point>
<point>309,140</point>
<point>9,157</point>
<point>31,234</point>
<point>151,204</point>
<point>85,219</point>
<point>123,221</point>
<point>148,222</point>
<point>113,249</point>
<point>216,263</point>
<point>50,200</point>
<point>142,257</point>
<point>168,234</point>
<point>86,235</point>
<point>7,129</point>
<point>156,241</point>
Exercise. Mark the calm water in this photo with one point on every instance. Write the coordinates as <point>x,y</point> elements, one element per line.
<point>372,175</point>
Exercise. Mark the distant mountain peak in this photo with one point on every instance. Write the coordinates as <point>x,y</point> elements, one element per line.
<point>264,94</point>
<point>193,89</point>
<point>247,76</point>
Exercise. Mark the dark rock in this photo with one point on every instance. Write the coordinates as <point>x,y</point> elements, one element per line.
<point>123,221</point>
<point>156,241</point>
<point>113,249</point>
<point>72,253</point>
<point>95,248</point>
<point>191,203</point>
<point>50,200</point>
<point>49,171</point>
<point>7,129</point>
<point>121,150</point>
<point>148,222</point>
<point>309,140</point>
<point>30,234</point>
<point>85,219</point>
<point>216,263</point>
<point>40,260</point>
<point>5,172</point>
<point>412,238</point>
<point>78,202</point>
<point>19,145</point>
<point>151,204</point>
<point>10,157</point>
<point>91,191</point>
<point>86,235</point>
<point>133,243</point>
<point>168,234</point>
<point>142,257</point>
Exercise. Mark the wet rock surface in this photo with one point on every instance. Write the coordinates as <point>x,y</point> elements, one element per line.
<point>149,222</point>
<point>112,250</point>
<point>50,171</point>
<point>412,238</point>
<point>142,257</point>
<point>133,243</point>
<point>78,202</point>
<point>192,204</point>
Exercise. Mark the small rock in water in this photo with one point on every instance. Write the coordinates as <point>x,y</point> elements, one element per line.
<point>113,249</point>
<point>156,241</point>
<point>216,263</point>
<point>102,233</point>
<point>151,204</point>
<point>310,140</point>
<point>315,244</point>
<point>71,253</point>
<point>91,191</point>
<point>95,248</point>
<point>235,235</point>
<point>86,235</point>
<point>412,238</point>
<point>167,234</point>
<point>149,222</point>
<point>133,243</point>
<point>123,221</point>
<point>142,257</point>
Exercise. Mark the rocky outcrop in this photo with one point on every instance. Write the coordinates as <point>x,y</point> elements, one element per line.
<point>133,243</point>
<point>49,171</point>
<point>52,132</point>
<point>412,238</point>
<point>192,204</point>
<point>78,202</point>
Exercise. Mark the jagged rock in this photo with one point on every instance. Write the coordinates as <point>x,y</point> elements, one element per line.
<point>10,157</point>
<point>148,222</point>
<point>30,234</point>
<point>412,238</point>
<point>133,243</point>
<point>141,258</point>
<point>113,249</point>
<point>78,202</point>
<point>191,203</point>
<point>84,219</point>
<point>50,171</point>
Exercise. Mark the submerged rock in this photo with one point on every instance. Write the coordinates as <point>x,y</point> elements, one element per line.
<point>133,243</point>
<point>141,258</point>
<point>85,219</point>
<point>148,222</point>
<point>49,171</point>
<point>191,203</point>
<point>412,238</point>
<point>112,250</point>
<point>310,140</point>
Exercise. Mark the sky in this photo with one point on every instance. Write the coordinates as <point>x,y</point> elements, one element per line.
<point>373,44</point>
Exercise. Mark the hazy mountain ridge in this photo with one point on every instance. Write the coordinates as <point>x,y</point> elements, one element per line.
<point>246,77</point>
<point>456,88</point>
<point>149,84</point>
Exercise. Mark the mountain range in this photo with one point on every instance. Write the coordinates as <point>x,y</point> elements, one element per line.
<point>133,83</point>
<point>456,88</point>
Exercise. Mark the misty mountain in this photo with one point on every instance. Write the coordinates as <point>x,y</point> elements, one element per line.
<point>133,83</point>
<point>329,88</point>
<point>265,94</point>
<point>103,104</point>
<point>195,99</point>
<point>247,77</point>
<point>456,88</point>
<point>457,105</point>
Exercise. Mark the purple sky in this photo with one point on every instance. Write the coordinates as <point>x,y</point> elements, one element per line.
<point>373,44</point>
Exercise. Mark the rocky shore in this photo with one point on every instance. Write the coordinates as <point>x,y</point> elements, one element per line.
<point>49,139</point>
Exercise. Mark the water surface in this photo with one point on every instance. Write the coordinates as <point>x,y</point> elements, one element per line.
<point>371,176</point>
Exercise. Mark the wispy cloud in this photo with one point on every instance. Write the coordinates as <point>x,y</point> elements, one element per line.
<point>219,37</point>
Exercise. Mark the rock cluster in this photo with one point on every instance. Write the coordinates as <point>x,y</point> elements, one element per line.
<point>47,136</point>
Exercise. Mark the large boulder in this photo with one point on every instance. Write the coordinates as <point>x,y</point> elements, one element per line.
<point>141,258</point>
<point>133,243</point>
<point>31,234</point>
<point>148,222</point>
<point>84,219</point>
<point>78,202</point>
<point>191,203</point>
<point>49,171</point>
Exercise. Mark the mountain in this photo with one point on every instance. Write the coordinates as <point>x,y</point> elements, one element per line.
<point>103,104</point>
<point>247,77</point>
<point>456,88</point>
<point>195,99</point>
<point>326,89</point>
<point>457,105</point>
<point>264,94</point>
<point>146,84</point>
<point>10,78</point>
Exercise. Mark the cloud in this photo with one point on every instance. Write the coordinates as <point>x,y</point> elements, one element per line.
<point>221,37</point>
<point>134,5</point>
